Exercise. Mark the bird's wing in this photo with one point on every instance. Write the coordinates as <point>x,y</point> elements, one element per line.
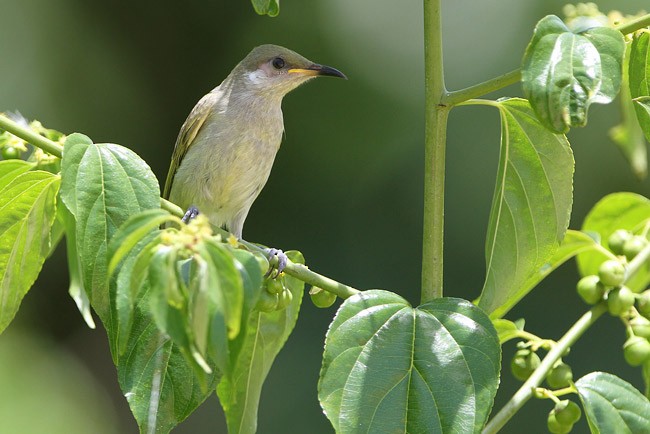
<point>188,133</point>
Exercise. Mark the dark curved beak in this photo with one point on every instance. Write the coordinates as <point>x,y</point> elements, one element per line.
<point>316,70</point>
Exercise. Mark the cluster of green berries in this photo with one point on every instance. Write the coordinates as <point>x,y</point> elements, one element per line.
<point>621,300</point>
<point>563,416</point>
<point>525,361</point>
<point>275,295</point>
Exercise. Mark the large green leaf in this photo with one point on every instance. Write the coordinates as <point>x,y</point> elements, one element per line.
<point>628,135</point>
<point>102,186</point>
<point>564,72</point>
<point>392,368</point>
<point>267,7</point>
<point>639,73</point>
<point>530,209</point>
<point>254,350</point>
<point>613,405</point>
<point>10,169</point>
<point>615,211</point>
<point>27,212</point>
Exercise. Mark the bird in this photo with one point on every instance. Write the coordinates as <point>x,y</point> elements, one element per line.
<point>226,147</point>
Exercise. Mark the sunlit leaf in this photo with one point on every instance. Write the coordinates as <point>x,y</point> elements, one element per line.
<point>564,72</point>
<point>639,68</point>
<point>615,211</point>
<point>389,367</point>
<point>530,209</point>
<point>27,211</point>
<point>267,7</point>
<point>613,405</point>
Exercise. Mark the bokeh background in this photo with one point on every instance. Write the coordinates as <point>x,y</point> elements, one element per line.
<point>346,188</point>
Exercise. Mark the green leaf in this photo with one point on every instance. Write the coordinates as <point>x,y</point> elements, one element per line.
<point>102,186</point>
<point>506,330</point>
<point>530,209</point>
<point>10,169</point>
<point>615,211</point>
<point>76,288</point>
<point>639,75</point>
<point>389,367</point>
<point>267,7</point>
<point>257,345</point>
<point>161,387</point>
<point>132,231</point>
<point>27,212</point>
<point>564,72</point>
<point>613,405</point>
<point>628,135</point>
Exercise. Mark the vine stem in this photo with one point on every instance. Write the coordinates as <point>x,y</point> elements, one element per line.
<point>435,131</point>
<point>527,389</point>
<point>298,271</point>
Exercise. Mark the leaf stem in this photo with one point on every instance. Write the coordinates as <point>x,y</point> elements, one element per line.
<point>30,136</point>
<point>504,80</point>
<point>634,25</point>
<point>527,389</point>
<point>298,271</point>
<point>435,131</point>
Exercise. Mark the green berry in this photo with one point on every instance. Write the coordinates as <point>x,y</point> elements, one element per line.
<point>524,363</point>
<point>643,303</point>
<point>590,289</point>
<point>284,299</point>
<point>611,273</point>
<point>321,298</point>
<point>10,153</point>
<point>620,300</point>
<point>267,302</point>
<point>554,426</point>
<point>640,327</point>
<point>617,240</point>
<point>567,412</point>
<point>633,246</point>
<point>636,350</point>
<point>560,376</point>
<point>274,286</point>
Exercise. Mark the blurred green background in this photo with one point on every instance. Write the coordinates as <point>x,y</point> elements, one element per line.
<point>345,189</point>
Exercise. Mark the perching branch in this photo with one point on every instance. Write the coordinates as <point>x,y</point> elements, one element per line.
<point>298,271</point>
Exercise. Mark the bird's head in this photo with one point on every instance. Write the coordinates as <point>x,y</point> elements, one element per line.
<point>278,70</point>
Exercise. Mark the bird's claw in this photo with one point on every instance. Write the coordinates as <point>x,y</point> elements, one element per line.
<point>191,213</point>
<point>282,262</point>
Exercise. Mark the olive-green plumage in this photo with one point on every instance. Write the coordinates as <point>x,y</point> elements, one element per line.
<point>226,147</point>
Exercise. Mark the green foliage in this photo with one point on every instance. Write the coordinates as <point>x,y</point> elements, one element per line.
<point>613,405</point>
<point>267,7</point>
<point>27,212</point>
<point>639,77</point>
<point>381,372</point>
<point>616,211</point>
<point>530,209</point>
<point>564,71</point>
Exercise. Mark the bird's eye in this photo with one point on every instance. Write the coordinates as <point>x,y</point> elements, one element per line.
<point>278,63</point>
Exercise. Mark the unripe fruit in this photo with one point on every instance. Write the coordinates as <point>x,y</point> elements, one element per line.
<point>555,427</point>
<point>274,286</point>
<point>284,299</point>
<point>636,350</point>
<point>643,303</point>
<point>611,273</point>
<point>567,412</point>
<point>640,327</point>
<point>321,298</point>
<point>10,153</point>
<point>590,289</point>
<point>267,302</point>
<point>560,376</point>
<point>620,300</point>
<point>633,246</point>
<point>617,240</point>
<point>524,363</point>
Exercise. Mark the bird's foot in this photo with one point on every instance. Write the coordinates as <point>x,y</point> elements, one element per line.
<point>282,262</point>
<point>191,213</point>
